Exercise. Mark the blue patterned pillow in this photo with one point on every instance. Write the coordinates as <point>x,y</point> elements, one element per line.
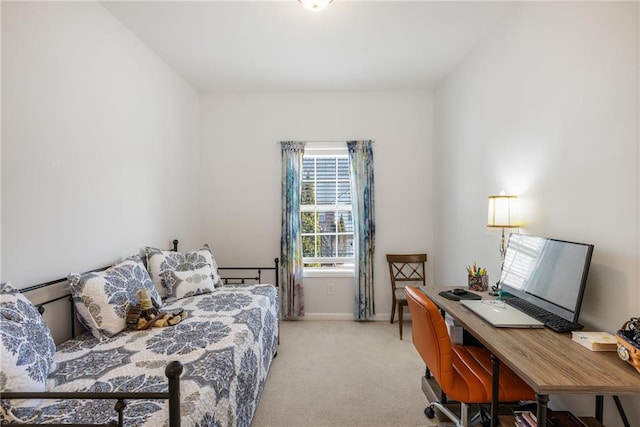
<point>26,345</point>
<point>178,275</point>
<point>102,298</point>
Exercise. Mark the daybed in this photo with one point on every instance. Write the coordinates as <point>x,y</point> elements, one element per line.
<point>217,358</point>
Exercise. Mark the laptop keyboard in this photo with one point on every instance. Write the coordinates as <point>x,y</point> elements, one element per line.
<point>550,320</point>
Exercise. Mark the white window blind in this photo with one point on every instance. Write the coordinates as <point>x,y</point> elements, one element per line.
<point>325,207</point>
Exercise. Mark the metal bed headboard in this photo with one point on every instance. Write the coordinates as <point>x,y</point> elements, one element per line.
<point>233,279</point>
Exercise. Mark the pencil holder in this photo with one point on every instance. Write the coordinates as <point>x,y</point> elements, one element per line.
<point>479,283</point>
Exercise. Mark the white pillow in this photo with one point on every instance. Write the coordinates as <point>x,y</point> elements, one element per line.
<point>26,345</point>
<point>178,275</point>
<point>102,298</point>
<point>190,282</point>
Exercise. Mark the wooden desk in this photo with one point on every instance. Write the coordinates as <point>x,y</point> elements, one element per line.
<point>548,361</point>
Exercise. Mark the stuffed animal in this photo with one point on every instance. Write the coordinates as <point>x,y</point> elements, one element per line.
<point>146,314</point>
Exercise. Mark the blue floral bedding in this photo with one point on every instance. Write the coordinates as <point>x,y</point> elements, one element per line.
<point>226,345</point>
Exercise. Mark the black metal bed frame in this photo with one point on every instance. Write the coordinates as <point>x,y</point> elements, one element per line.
<point>173,370</point>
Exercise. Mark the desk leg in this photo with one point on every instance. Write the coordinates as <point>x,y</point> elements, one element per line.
<point>495,391</point>
<point>541,413</point>
<point>625,420</point>
<point>599,406</point>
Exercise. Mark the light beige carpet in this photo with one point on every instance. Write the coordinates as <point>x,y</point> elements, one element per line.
<point>343,373</point>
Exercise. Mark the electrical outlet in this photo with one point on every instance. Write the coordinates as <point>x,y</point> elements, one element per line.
<point>331,289</point>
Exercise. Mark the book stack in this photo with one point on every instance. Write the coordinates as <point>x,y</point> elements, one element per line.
<point>595,341</point>
<point>525,419</point>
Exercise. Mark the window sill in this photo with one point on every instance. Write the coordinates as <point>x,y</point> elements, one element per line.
<point>328,272</point>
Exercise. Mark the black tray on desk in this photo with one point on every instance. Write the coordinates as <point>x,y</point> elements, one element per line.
<point>450,295</point>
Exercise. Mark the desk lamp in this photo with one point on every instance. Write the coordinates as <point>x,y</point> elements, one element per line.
<point>502,214</point>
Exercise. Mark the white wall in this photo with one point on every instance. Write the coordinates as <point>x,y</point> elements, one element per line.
<point>0,154</point>
<point>546,107</point>
<point>241,203</point>
<point>99,143</point>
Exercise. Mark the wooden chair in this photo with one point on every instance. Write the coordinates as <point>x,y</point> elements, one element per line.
<point>463,373</point>
<point>403,270</point>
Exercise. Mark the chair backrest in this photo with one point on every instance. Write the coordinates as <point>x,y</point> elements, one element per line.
<point>407,268</point>
<point>430,337</point>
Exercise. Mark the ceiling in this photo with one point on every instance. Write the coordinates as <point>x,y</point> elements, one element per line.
<point>276,46</point>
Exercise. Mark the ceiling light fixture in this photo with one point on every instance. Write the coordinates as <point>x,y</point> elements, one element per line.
<point>315,5</point>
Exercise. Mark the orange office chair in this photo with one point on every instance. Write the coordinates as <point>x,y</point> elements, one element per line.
<point>404,270</point>
<point>462,373</point>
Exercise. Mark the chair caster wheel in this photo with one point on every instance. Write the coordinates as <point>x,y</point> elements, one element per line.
<point>429,412</point>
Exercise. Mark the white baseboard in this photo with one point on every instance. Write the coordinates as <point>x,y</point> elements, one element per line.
<point>328,316</point>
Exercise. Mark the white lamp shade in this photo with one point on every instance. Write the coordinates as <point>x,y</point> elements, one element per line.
<point>503,211</point>
<point>315,5</point>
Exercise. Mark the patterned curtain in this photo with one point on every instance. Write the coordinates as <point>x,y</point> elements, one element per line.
<point>362,193</point>
<point>292,301</point>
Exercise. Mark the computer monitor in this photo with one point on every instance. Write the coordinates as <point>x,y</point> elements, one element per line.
<point>549,273</point>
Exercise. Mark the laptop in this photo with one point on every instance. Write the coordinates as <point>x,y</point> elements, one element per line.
<point>501,315</point>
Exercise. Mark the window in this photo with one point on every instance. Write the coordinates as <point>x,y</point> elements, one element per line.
<point>325,209</point>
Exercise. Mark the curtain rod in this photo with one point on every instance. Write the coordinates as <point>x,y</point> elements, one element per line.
<point>319,141</point>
